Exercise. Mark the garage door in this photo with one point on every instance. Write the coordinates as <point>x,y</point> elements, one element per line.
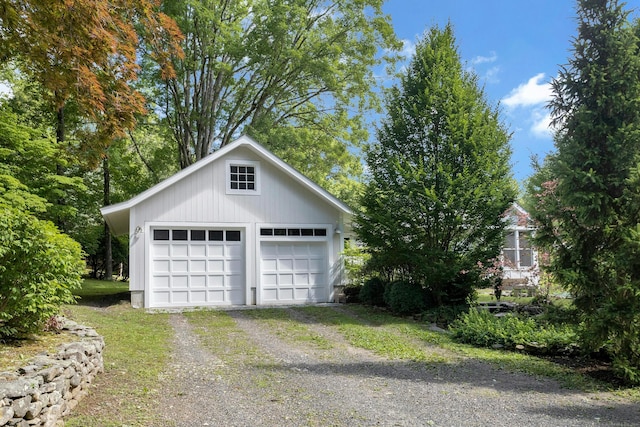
<point>293,272</point>
<point>196,267</point>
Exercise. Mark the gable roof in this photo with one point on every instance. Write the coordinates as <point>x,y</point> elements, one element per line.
<point>521,217</point>
<point>117,215</point>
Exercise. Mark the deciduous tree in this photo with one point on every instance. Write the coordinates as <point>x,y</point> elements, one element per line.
<point>39,266</point>
<point>85,51</point>
<point>440,179</point>
<point>268,66</point>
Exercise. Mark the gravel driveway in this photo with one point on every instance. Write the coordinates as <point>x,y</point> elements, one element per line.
<point>284,383</point>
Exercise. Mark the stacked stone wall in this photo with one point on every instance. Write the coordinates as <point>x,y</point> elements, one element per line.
<point>43,392</point>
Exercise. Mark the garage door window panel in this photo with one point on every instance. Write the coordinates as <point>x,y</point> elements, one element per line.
<point>293,232</point>
<point>233,236</point>
<point>179,235</point>
<point>160,234</point>
<point>198,235</point>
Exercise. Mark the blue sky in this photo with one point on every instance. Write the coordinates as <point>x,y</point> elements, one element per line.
<point>514,46</point>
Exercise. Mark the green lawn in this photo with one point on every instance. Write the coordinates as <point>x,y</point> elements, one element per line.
<point>137,349</point>
<point>102,292</point>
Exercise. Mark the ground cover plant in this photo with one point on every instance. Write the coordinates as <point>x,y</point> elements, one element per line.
<point>482,328</point>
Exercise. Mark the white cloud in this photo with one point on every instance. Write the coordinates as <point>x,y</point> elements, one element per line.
<point>493,57</point>
<point>5,90</point>
<point>408,48</point>
<point>530,93</point>
<point>491,75</point>
<point>541,127</point>
<point>533,97</point>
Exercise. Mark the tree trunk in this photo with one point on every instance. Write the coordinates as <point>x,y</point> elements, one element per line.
<point>108,255</point>
<point>60,125</point>
<point>59,169</point>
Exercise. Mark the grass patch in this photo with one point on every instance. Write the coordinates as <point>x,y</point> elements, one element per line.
<point>137,349</point>
<point>512,361</point>
<point>291,330</point>
<point>220,334</point>
<point>102,292</point>
<point>17,353</point>
<point>390,336</point>
<point>382,341</point>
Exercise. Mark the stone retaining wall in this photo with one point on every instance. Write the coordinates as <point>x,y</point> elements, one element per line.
<point>46,390</point>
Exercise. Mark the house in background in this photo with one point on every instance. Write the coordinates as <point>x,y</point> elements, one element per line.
<point>238,227</point>
<point>519,258</point>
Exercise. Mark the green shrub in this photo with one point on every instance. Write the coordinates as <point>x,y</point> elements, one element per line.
<point>445,314</point>
<point>372,292</point>
<point>483,329</point>
<point>352,294</point>
<point>39,267</point>
<point>404,297</point>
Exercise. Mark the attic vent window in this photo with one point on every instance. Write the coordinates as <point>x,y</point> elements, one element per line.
<point>243,178</point>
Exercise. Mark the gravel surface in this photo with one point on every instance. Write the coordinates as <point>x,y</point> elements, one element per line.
<point>287,383</point>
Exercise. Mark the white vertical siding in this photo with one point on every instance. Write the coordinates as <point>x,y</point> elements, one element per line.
<point>201,197</point>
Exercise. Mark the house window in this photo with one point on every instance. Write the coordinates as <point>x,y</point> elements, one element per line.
<point>525,251</point>
<point>517,251</point>
<point>243,178</point>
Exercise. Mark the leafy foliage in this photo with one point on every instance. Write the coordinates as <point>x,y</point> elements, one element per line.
<point>439,177</point>
<point>481,328</point>
<point>587,197</point>
<point>85,52</point>
<point>372,292</point>
<point>404,297</point>
<point>39,268</point>
<point>32,160</point>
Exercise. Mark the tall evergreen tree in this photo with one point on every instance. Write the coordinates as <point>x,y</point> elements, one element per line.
<point>588,199</point>
<point>440,179</point>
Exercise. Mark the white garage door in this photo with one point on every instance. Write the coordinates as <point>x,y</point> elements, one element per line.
<point>293,272</point>
<point>196,267</point>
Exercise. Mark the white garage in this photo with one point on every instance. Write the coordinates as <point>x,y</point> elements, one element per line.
<point>238,227</point>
